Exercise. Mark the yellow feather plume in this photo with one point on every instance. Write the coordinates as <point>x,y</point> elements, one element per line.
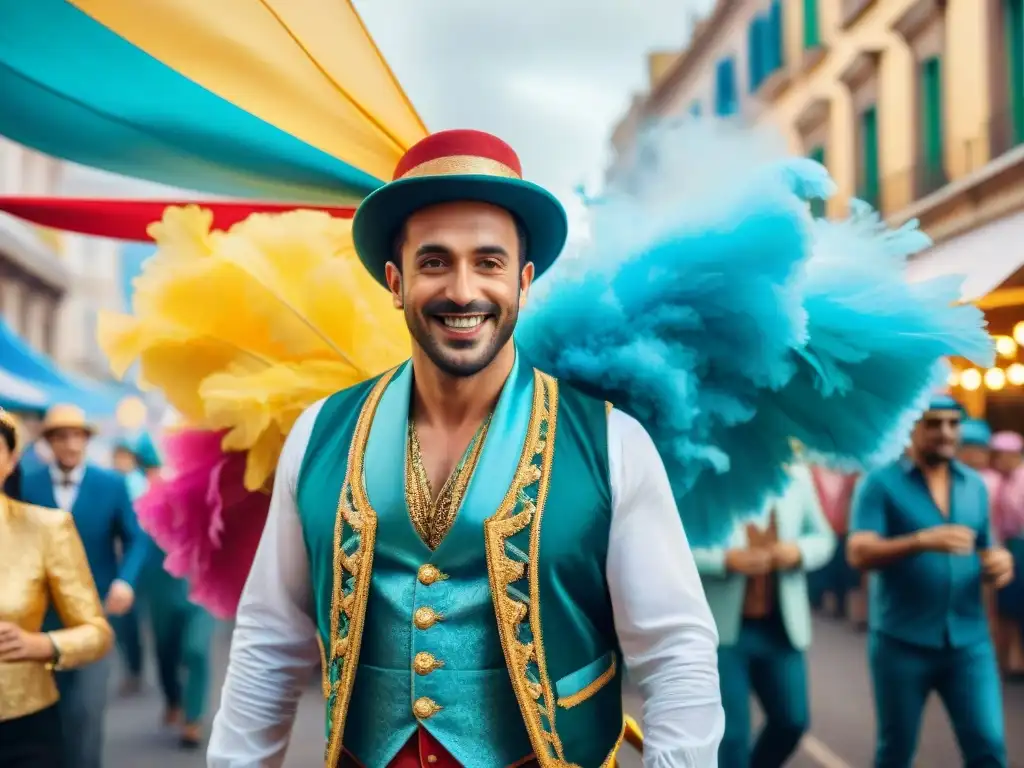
<point>242,330</point>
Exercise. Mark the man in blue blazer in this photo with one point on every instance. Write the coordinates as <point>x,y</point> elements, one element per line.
<point>756,585</point>
<point>102,509</point>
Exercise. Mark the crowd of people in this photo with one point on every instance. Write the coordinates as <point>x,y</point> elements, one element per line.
<point>78,572</point>
<point>817,546</point>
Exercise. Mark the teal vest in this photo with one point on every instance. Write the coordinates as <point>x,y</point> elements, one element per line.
<point>510,614</point>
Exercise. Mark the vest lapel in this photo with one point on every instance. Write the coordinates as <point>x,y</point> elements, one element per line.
<point>495,469</point>
<point>84,487</point>
<point>384,469</point>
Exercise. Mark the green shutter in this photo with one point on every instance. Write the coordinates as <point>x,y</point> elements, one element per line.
<point>869,176</point>
<point>931,168</point>
<point>1013,17</point>
<point>812,27</point>
<point>817,204</point>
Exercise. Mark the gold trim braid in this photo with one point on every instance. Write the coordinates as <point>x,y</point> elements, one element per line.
<point>519,623</point>
<point>355,533</point>
<point>461,165</point>
<point>568,702</point>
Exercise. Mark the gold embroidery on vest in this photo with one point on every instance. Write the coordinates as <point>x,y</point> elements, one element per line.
<point>355,533</point>
<point>568,702</point>
<point>519,615</point>
<point>433,519</point>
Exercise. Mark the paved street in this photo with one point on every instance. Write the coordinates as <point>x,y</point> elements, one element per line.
<point>842,728</point>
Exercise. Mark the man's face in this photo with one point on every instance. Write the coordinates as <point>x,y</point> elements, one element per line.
<point>936,436</point>
<point>68,446</point>
<point>974,456</point>
<point>123,461</point>
<point>460,284</point>
<point>1005,462</point>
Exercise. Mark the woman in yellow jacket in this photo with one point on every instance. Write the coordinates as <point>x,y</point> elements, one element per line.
<point>41,559</point>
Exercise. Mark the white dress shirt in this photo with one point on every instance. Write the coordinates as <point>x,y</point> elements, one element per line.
<point>66,485</point>
<point>663,621</point>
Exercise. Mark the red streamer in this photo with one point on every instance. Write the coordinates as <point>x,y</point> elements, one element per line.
<point>129,219</point>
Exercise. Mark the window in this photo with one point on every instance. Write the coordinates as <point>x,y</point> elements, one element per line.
<point>812,26</point>
<point>755,52</point>
<point>868,188</point>
<point>775,36</point>
<point>725,87</point>
<point>931,175</point>
<point>817,204</point>
<point>1013,15</point>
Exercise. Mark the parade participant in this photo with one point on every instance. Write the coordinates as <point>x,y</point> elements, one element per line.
<point>183,630</point>
<point>974,450</point>
<point>836,579</point>
<point>129,640</point>
<point>921,525</point>
<point>482,616</point>
<point>99,503</point>
<point>756,584</point>
<point>1007,479</point>
<point>44,565</point>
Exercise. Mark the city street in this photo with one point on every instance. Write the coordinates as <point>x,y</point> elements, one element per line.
<point>842,731</point>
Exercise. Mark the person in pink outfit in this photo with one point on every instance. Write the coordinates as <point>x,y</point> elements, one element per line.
<point>1005,478</point>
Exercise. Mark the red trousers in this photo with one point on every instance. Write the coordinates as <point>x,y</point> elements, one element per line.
<point>422,751</point>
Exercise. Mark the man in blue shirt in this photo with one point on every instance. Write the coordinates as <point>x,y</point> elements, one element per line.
<point>921,525</point>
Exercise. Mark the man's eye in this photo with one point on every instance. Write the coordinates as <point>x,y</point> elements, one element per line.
<point>432,264</point>
<point>490,264</point>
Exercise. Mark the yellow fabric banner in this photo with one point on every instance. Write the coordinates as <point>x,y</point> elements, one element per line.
<point>308,67</point>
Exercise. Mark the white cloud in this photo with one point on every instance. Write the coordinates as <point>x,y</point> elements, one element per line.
<point>551,77</point>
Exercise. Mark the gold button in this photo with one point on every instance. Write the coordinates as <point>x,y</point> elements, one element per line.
<point>425,618</point>
<point>424,663</point>
<point>429,574</point>
<point>431,758</point>
<point>424,708</point>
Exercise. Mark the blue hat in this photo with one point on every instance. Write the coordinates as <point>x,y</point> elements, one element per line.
<point>455,166</point>
<point>142,448</point>
<point>975,432</point>
<point>944,402</point>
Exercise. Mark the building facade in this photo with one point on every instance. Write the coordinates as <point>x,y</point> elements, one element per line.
<point>53,285</point>
<point>916,106</point>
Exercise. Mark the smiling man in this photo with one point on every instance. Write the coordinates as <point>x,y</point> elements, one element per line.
<point>477,550</point>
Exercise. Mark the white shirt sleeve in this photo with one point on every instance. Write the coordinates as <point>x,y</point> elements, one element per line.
<point>273,648</point>
<point>662,618</point>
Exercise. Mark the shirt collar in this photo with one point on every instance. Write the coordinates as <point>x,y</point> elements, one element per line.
<point>74,476</point>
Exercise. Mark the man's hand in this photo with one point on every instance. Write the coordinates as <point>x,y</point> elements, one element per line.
<point>997,564</point>
<point>749,562</point>
<point>955,539</point>
<point>120,598</point>
<point>785,556</point>
<point>18,645</point>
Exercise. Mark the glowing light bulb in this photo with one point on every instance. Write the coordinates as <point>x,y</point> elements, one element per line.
<point>970,379</point>
<point>131,413</point>
<point>1018,332</point>
<point>995,378</point>
<point>1015,374</point>
<point>1006,347</point>
<point>953,380</point>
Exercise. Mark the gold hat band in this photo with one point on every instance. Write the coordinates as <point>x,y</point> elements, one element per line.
<point>460,165</point>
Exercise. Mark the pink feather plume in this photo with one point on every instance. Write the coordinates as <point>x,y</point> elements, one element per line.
<point>204,519</point>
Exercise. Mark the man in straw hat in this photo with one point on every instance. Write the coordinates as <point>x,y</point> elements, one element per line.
<point>921,525</point>
<point>503,543</point>
<point>99,502</point>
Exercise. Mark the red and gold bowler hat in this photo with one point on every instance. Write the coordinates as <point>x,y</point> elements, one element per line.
<point>452,166</point>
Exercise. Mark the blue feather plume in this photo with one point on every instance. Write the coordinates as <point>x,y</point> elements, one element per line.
<point>711,307</point>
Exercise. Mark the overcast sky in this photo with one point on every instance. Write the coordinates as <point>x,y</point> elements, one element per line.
<point>551,77</point>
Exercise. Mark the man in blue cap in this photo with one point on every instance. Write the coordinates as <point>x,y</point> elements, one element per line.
<point>921,526</point>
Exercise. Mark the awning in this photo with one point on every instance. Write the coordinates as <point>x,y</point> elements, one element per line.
<point>18,395</point>
<point>20,363</point>
<point>986,257</point>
